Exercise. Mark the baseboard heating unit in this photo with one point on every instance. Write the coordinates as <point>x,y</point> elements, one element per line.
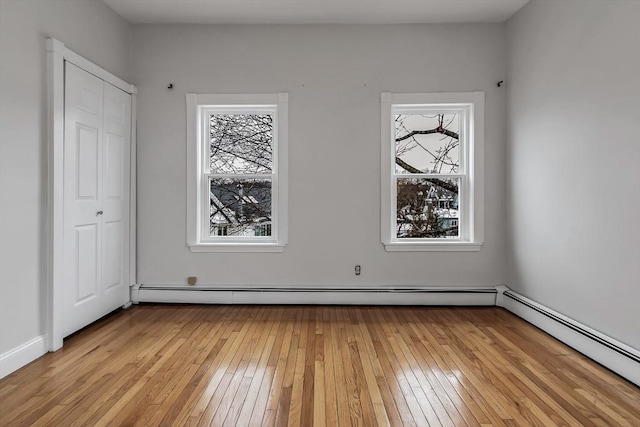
<point>615,355</point>
<point>293,295</point>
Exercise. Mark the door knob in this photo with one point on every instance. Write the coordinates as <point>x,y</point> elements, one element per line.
<point>99,213</point>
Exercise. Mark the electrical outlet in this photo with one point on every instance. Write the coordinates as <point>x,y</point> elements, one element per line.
<point>192,280</point>
<point>358,270</point>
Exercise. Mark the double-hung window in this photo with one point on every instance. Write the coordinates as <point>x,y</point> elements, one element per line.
<point>237,170</point>
<point>432,178</point>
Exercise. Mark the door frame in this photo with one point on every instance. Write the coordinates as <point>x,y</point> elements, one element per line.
<point>57,54</point>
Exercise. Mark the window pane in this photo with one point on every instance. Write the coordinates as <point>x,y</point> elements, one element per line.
<point>240,207</point>
<point>427,208</point>
<point>240,143</point>
<point>427,143</point>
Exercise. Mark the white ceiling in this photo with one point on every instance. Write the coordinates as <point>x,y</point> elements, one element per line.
<point>314,11</point>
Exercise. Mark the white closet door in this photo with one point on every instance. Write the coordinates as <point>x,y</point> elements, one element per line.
<point>115,189</point>
<point>96,180</point>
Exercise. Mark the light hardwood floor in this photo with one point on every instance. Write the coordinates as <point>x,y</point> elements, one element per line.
<point>315,366</point>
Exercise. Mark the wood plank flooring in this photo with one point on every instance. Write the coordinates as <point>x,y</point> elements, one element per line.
<point>171,365</point>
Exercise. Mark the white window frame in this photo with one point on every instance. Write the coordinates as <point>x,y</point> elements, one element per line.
<point>199,105</point>
<point>471,198</point>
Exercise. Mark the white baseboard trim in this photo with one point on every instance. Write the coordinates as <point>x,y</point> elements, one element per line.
<point>616,356</point>
<point>22,355</point>
<point>134,293</point>
<point>331,296</point>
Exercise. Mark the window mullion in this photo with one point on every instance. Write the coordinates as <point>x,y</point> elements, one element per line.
<point>241,176</point>
<point>430,175</point>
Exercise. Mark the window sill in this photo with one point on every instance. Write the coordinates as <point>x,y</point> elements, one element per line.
<point>236,247</point>
<point>432,247</point>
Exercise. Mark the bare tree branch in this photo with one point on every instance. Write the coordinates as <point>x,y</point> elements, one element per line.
<point>439,129</point>
<point>439,182</point>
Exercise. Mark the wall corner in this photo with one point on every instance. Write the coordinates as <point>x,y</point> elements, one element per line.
<point>500,295</point>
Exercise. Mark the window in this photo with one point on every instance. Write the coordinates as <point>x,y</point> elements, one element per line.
<point>432,160</point>
<point>220,230</point>
<point>263,230</point>
<point>237,170</point>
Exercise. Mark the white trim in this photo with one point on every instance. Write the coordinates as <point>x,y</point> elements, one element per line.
<point>434,247</point>
<point>236,247</point>
<point>500,296</point>
<point>472,238</point>
<point>57,54</point>
<point>386,206</point>
<point>133,191</point>
<point>315,296</point>
<point>615,355</point>
<point>197,102</point>
<point>55,196</point>
<point>22,355</point>
<point>193,162</point>
<point>57,46</point>
<point>135,293</point>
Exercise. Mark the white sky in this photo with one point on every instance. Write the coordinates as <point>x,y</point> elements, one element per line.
<point>425,147</point>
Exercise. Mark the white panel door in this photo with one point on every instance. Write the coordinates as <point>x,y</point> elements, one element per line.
<point>96,198</point>
<point>115,191</point>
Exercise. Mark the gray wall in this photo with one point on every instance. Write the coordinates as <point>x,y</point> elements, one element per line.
<point>334,76</point>
<point>573,198</point>
<point>93,30</point>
